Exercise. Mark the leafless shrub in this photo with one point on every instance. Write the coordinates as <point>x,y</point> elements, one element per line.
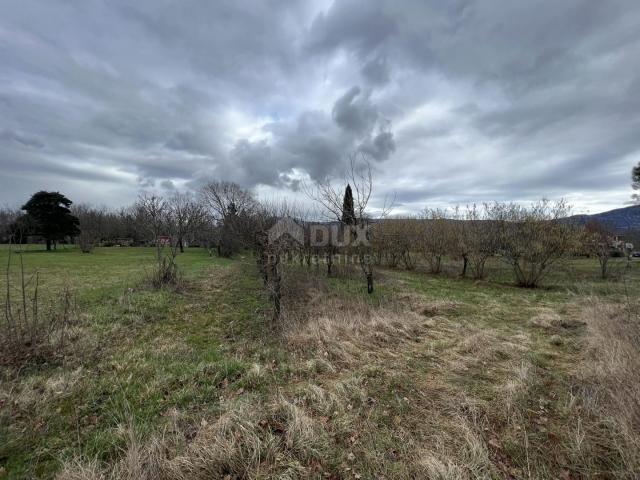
<point>234,211</point>
<point>92,226</point>
<point>8,217</point>
<point>438,238</point>
<point>596,240</point>
<point>394,241</point>
<point>476,233</point>
<point>165,223</point>
<point>153,216</point>
<point>271,254</point>
<point>32,331</point>
<point>186,216</point>
<point>533,239</point>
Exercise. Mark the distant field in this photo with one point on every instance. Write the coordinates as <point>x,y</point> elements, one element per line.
<point>429,377</point>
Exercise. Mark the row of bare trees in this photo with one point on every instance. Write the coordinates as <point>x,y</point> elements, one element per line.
<point>8,218</point>
<point>530,239</point>
<point>181,217</point>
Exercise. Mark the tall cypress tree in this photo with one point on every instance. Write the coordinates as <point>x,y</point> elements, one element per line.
<point>348,211</point>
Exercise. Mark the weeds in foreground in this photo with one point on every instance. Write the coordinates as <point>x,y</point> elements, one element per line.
<point>605,399</point>
<point>32,331</point>
<point>165,273</point>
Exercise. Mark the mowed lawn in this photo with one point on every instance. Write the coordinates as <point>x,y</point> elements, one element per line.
<point>432,376</point>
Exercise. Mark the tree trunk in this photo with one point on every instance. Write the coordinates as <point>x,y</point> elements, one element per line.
<point>48,244</point>
<point>603,268</point>
<point>464,266</point>
<point>370,283</point>
<point>181,244</point>
<point>276,292</point>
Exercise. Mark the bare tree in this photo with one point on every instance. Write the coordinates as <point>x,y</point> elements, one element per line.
<point>479,239</point>
<point>329,194</point>
<point>394,240</point>
<point>459,244</point>
<point>154,218</point>
<point>437,239</point>
<point>232,208</point>
<point>92,225</point>
<point>533,239</point>
<point>221,197</point>
<point>597,238</point>
<point>272,252</point>
<point>187,216</point>
<point>8,217</point>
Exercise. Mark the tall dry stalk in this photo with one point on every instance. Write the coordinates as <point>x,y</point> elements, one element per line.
<point>28,332</point>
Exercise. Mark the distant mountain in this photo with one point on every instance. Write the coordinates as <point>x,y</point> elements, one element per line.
<point>620,220</point>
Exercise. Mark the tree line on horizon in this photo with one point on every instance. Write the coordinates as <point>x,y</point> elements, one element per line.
<point>228,218</point>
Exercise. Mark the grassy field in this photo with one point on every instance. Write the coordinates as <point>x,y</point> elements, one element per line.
<point>429,377</point>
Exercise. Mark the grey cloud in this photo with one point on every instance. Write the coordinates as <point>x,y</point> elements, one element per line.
<point>146,182</point>
<point>8,136</point>
<point>312,142</point>
<point>376,71</point>
<point>189,141</point>
<point>362,26</point>
<point>496,99</point>
<point>354,111</point>
<point>25,163</point>
<point>252,163</point>
<point>320,145</point>
<point>167,185</point>
<point>380,147</point>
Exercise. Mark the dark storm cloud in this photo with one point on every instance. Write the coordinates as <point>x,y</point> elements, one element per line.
<point>451,100</point>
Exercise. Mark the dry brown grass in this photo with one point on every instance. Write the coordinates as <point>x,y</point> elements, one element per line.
<point>466,458</point>
<point>348,335</point>
<point>415,390</point>
<point>348,331</point>
<point>247,441</point>
<point>605,401</point>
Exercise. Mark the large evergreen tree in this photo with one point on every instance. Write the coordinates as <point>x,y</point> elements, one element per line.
<point>51,216</point>
<point>348,211</point>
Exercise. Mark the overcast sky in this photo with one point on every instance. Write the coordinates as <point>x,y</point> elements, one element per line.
<point>453,101</point>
